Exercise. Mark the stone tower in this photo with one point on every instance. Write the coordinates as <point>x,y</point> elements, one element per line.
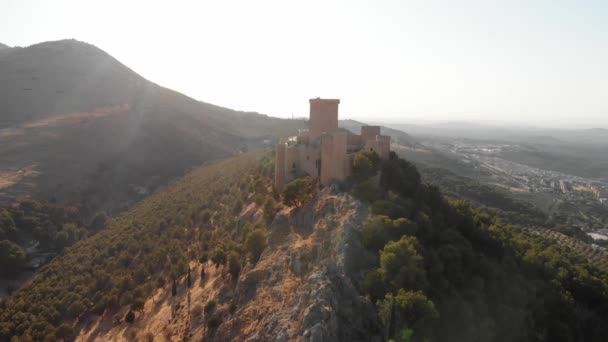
<point>323,116</point>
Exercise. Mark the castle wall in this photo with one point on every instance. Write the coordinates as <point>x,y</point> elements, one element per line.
<point>353,139</point>
<point>326,155</point>
<point>369,133</point>
<point>372,146</point>
<point>309,160</point>
<point>323,117</point>
<point>384,146</point>
<point>279,167</point>
<point>338,158</point>
<point>348,165</point>
<point>292,163</point>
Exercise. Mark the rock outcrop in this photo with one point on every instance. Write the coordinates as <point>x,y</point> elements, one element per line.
<point>301,289</point>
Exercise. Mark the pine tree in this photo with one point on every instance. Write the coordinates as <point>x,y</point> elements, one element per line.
<point>189,279</point>
<point>202,272</point>
<point>174,288</point>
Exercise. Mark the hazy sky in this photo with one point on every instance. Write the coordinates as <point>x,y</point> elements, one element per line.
<point>539,62</point>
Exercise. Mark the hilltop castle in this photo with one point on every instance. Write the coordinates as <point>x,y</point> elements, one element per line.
<point>325,151</point>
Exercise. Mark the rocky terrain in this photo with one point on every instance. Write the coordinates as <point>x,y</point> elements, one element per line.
<point>301,289</point>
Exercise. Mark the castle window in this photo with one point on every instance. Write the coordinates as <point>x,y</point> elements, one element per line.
<point>293,166</point>
<point>307,157</point>
<point>371,149</point>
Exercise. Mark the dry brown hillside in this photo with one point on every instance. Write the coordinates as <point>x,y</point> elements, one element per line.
<point>300,289</point>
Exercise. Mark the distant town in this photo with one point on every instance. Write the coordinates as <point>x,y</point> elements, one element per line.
<point>583,202</point>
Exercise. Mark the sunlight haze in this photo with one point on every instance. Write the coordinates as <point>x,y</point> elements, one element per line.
<point>541,63</point>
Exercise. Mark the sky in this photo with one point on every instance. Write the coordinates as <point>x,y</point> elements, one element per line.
<point>542,63</point>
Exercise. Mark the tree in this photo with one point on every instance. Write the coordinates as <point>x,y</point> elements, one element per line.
<point>234,264</point>
<point>130,316</point>
<point>219,257</point>
<point>367,190</point>
<point>298,191</point>
<point>255,243</point>
<point>8,229</point>
<point>99,221</point>
<point>12,257</point>
<point>202,272</point>
<point>174,288</point>
<point>189,279</point>
<point>365,164</point>
<point>408,316</point>
<point>138,304</point>
<point>401,264</point>
<point>270,209</point>
<point>400,176</point>
<point>76,308</point>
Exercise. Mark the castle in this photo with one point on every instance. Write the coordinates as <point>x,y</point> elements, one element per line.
<point>325,151</point>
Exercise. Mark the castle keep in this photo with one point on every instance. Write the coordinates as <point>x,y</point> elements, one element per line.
<point>325,151</point>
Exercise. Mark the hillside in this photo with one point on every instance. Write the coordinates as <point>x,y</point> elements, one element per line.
<point>80,128</point>
<point>216,256</point>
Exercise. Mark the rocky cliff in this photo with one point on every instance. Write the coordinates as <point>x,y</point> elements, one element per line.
<point>301,289</point>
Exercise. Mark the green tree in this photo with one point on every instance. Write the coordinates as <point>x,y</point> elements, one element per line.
<point>219,256</point>
<point>270,209</point>
<point>189,278</point>
<point>130,316</point>
<point>138,304</point>
<point>362,166</point>
<point>234,264</point>
<point>401,264</point>
<point>174,288</point>
<point>408,316</point>
<point>12,257</point>
<point>367,190</point>
<point>255,243</point>
<point>400,176</point>
<point>298,191</point>
<point>8,229</point>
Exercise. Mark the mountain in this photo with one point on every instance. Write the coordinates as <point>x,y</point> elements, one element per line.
<point>80,128</point>
<point>4,49</point>
<point>218,256</point>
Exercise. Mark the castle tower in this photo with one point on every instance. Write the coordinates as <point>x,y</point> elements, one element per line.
<point>323,116</point>
<point>279,167</point>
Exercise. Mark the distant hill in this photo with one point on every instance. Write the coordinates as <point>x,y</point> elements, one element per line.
<point>75,122</point>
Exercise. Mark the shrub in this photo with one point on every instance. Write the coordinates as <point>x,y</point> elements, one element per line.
<point>298,191</point>
<point>234,264</point>
<point>12,257</point>
<point>130,316</point>
<point>270,209</point>
<point>210,306</point>
<point>255,243</point>
<point>362,166</point>
<point>219,257</point>
<point>367,190</point>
